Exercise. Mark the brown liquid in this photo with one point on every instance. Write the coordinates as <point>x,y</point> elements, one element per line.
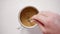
<point>27,13</point>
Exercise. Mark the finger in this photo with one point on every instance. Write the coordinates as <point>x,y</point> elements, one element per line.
<point>41,25</point>
<point>40,20</point>
<point>47,13</point>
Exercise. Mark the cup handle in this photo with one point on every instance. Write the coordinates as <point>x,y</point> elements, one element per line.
<point>20,28</point>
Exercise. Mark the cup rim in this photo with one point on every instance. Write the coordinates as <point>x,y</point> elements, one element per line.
<point>20,19</point>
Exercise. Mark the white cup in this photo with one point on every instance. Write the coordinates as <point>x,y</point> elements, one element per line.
<point>28,11</point>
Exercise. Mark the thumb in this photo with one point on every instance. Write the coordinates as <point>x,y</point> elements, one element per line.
<point>40,20</point>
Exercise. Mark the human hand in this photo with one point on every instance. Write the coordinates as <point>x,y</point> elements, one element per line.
<point>49,22</point>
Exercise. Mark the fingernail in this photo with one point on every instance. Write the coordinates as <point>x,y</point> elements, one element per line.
<point>31,20</point>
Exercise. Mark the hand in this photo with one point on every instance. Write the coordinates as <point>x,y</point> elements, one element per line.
<point>49,22</point>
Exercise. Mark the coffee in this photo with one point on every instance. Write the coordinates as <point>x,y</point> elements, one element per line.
<point>27,13</point>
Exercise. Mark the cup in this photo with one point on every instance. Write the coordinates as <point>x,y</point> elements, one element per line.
<point>25,14</point>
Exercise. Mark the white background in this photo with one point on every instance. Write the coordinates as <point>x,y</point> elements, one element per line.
<point>9,14</point>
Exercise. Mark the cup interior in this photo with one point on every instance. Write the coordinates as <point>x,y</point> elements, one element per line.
<point>27,13</point>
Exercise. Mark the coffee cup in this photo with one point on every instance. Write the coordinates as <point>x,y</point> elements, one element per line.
<point>24,16</point>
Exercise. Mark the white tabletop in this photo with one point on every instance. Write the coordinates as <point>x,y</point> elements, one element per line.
<point>9,14</point>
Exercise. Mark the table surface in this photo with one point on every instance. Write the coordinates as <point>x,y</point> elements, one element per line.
<point>9,10</point>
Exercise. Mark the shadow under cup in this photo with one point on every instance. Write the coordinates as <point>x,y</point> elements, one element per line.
<point>25,14</point>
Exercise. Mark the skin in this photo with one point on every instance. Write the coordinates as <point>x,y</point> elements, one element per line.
<point>49,22</point>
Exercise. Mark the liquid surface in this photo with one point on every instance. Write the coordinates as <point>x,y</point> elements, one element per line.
<point>27,13</point>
